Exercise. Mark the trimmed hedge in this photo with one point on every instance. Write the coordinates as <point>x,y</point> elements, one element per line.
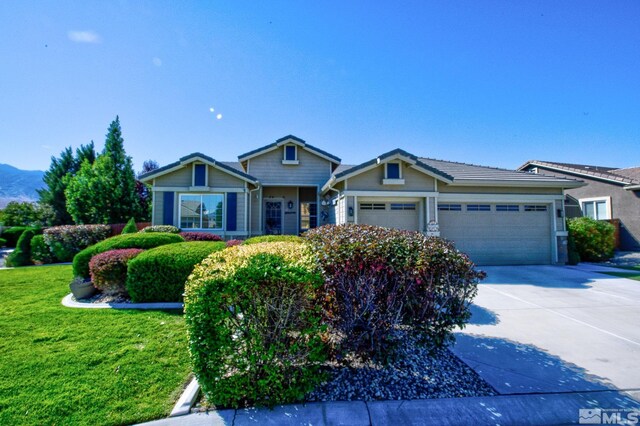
<point>12,235</point>
<point>21,256</point>
<point>594,239</point>
<point>379,279</point>
<point>109,269</point>
<point>159,274</point>
<point>137,240</point>
<point>40,253</point>
<point>161,228</point>
<point>67,240</point>
<point>233,243</point>
<point>254,326</point>
<point>273,239</point>
<point>200,236</point>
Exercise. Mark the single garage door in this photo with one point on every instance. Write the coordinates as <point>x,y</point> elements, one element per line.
<point>499,234</point>
<point>389,215</point>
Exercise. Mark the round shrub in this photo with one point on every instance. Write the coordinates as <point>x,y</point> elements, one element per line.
<point>161,228</point>
<point>273,239</point>
<point>200,236</point>
<point>109,269</point>
<point>254,326</point>
<point>233,243</point>
<point>378,279</point>
<point>130,227</point>
<point>594,239</point>
<point>40,253</point>
<point>159,274</point>
<point>137,240</point>
<point>21,256</point>
<point>67,240</point>
<point>12,235</point>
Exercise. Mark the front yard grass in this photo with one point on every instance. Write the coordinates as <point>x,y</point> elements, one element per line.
<point>83,366</point>
<point>631,272</point>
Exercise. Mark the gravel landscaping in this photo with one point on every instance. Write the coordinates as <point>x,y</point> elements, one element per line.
<point>414,374</point>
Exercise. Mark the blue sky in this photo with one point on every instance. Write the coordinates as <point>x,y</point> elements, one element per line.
<point>489,82</point>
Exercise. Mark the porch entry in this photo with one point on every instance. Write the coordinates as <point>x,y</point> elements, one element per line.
<point>273,217</point>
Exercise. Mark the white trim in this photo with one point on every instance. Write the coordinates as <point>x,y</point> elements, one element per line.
<point>295,153</point>
<point>153,206</point>
<point>516,198</point>
<point>594,200</point>
<point>517,183</point>
<point>393,181</point>
<point>163,172</point>
<point>574,172</point>
<point>290,162</point>
<point>562,233</point>
<point>399,194</point>
<point>632,187</point>
<point>355,209</point>
<point>304,185</point>
<point>386,171</point>
<point>195,189</point>
<point>284,142</point>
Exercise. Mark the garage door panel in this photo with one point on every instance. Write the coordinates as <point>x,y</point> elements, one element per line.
<point>400,219</point>
<point>499,238</point>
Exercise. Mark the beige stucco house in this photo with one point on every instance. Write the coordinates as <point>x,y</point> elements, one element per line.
<point>497,216</point>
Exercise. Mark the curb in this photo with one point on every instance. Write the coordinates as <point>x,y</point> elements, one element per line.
<point>186,400</point>
<point>69,302</point>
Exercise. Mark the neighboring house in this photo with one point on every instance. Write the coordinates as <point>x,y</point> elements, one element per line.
<point>496,216</point>
<point>610,193</point>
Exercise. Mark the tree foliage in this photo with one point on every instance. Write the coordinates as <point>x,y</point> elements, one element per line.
<point>105,191</point>
<point>26,214</point>
<point>56,180</point>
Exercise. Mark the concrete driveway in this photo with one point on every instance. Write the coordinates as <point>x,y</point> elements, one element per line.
<point>553,329</point>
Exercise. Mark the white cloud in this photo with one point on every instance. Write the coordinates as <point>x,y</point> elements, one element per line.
<point>157,61</point>
<point>84,36</point>
<point>211,109</point>
<point>219,116</point>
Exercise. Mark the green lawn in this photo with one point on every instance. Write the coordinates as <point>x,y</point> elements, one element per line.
<point>67,366</point>
<point>631,272</point>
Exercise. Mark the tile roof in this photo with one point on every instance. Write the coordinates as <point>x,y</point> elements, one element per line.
<point>295,138</point>
<point>226,165</point>
<point>630,176</point>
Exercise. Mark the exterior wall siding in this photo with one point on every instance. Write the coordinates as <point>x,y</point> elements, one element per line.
<point>220,179</point>
<point>181,177</point>
<point>269,170</point>
<point>371,180</point>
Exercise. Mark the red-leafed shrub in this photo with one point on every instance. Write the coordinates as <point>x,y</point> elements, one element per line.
<point>233,243</point>
<point>65,241</point>
<point>200,236</point>
<point>379,279</point>
<point>109,269</point>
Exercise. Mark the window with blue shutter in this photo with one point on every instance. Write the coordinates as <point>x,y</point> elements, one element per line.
<point>167,211</point>
<point>232,210</point>
<point>199,178</point>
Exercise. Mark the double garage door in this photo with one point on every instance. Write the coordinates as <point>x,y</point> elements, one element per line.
<point>491,234</point>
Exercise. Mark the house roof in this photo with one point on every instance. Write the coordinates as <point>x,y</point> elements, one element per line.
<point>628,176</point>
<point>229,167</point>
<point>284,140</point>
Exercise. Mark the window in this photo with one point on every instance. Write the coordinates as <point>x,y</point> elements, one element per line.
<point>201,211</point>
<point>535,208</point>
<point>507,208</point>
<point>290,153</point>
<point>308,216</point>
<point>596,208</point>
<point>403,206</point>
<point>372,206</point>
<point>393,170</point>
<point>450,207</point>
<point>478,207</point>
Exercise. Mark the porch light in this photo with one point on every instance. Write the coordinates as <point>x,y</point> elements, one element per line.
<point>350,211</point>
<point>290,205</point>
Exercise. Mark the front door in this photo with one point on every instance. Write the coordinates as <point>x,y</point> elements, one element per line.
<point>273,217</point>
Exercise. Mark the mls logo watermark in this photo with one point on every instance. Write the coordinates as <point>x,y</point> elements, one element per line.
<point>608,416</point>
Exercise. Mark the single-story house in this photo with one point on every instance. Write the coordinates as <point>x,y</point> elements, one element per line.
<point>497,216</point>
<point>609,193</point>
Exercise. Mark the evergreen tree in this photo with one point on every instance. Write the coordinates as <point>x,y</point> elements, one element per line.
<point>105,191</point>
<point>54,178</point>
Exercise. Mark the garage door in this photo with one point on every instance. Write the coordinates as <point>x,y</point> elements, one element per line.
<point>499,234</point>
<point>389,215</point>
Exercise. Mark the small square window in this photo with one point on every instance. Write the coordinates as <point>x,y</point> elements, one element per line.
<point>393,171</point>
<point>478,207</point>
<point>290,153</point>
<point>450,207</point>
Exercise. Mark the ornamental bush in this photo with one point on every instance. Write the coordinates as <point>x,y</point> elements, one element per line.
<point>273,238</point>
<point>233,243</point>
<point>159,274</point>
<point>161,228</point>
<point>200,236</point>
<point>377,280</point>
<point>67,240</point>
<point>130,227</point>
<point>12,235</point>
<point>109,270</point>
<point>137,240</point>
<point>594,239</point>
<point>40,253</point>
<point>254,326</point>
<point>21,256</point>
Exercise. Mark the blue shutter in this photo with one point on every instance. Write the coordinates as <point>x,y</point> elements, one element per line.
<point>199,178</point>
<point>232,209</point>
<point>167,211</point>
<point>393,171</point>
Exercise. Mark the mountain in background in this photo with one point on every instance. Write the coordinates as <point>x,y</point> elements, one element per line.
<point>19,185</point>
